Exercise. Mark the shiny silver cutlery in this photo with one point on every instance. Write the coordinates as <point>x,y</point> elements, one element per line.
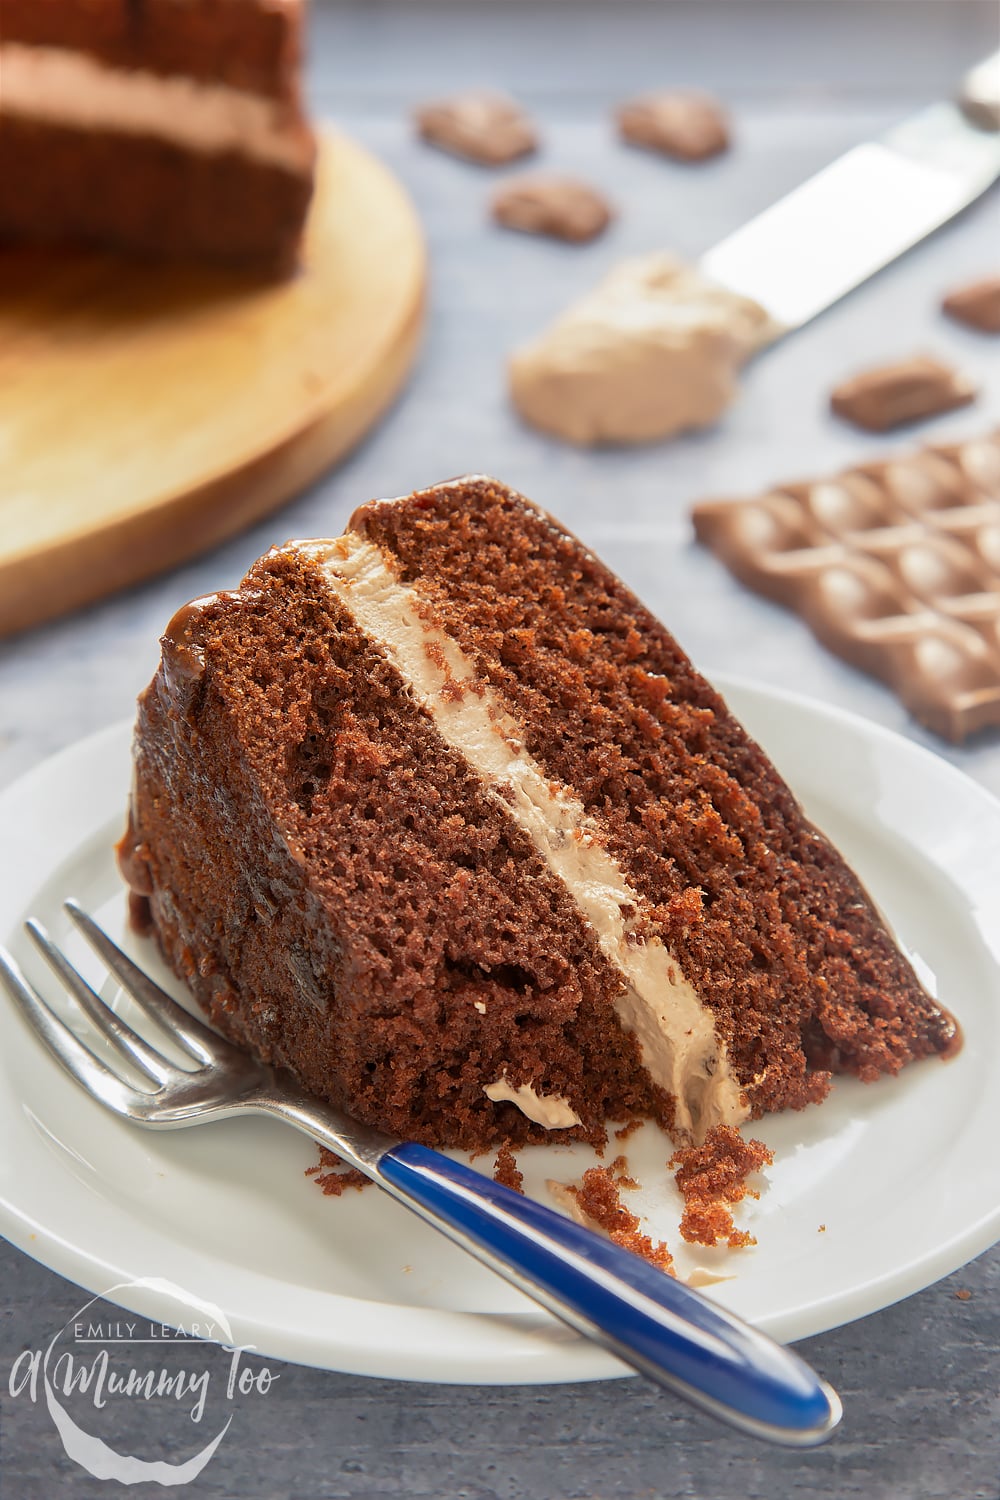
<point>659,1326</point>
<point>809,249</point>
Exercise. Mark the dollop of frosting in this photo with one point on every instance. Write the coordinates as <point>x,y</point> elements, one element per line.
<point>651,351</point>
<point>552,1111</point>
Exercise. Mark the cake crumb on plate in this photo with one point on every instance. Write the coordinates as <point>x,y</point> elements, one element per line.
<point>711,1177</point>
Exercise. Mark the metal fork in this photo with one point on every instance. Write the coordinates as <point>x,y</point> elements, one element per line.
<point>659,1326</point>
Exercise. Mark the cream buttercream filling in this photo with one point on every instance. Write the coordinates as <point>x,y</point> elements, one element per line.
<point>554,1111</point>
<point>67,88</point>
<point>652,350</point>
<point>657,1004</point>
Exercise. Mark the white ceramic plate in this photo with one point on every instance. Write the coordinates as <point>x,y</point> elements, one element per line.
<point>903,1174</point>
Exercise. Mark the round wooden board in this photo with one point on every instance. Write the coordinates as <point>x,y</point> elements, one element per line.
<point>148,412</point>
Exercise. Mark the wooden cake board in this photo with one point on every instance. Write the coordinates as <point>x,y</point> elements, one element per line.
<point>146,413</point>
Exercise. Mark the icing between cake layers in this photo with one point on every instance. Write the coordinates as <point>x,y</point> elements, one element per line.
<point>657,1004</point>
<point>66,88</point>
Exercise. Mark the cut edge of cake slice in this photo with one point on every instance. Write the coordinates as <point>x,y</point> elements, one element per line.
<point>722,1028</point>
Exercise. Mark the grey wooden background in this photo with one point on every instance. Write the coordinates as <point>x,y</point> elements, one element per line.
<point>806,80</point>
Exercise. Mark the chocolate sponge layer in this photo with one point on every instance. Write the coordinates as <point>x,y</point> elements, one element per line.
<point>340,892</point>
<point>254,45</point>
<point>147,197</point>
<point>769,924</point>
<point>344,894</point>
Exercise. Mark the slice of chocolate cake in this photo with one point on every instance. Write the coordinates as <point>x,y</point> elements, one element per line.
<point>156,127</point>
<point>438,816</point>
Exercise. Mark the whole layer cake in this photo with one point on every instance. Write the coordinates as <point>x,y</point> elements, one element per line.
<point>155,127</point>
<point>438,816</point>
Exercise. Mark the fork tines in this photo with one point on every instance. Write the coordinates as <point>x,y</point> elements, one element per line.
<point>196,1041</point>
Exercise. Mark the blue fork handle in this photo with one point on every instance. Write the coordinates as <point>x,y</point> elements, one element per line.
<point>658,1325</point>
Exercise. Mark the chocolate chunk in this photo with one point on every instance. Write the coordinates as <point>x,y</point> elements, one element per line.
<point>892,395</point>
<point>481,127</point>
<point>687,126</point>
<point>895,566</point>
<point>977,305</point>
<point>558,206</point>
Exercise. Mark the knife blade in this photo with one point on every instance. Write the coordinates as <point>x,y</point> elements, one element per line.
<point>855,216</point>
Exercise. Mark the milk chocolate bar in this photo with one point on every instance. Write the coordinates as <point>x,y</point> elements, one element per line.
<point>893,395</point>
<point>896,568</point>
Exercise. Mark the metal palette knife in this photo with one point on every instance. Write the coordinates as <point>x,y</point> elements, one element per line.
<point>805,252</point>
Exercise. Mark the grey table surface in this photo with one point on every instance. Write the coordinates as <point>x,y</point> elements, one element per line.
<point>806,81</point>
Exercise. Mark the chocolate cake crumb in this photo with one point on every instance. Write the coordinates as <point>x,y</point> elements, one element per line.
<point>334,1176</point>
<point>627,1130</point>
<point>505,1170</point>
<point>713,1175</point>
<point>622,1175</point>
<point>598,1198</point>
